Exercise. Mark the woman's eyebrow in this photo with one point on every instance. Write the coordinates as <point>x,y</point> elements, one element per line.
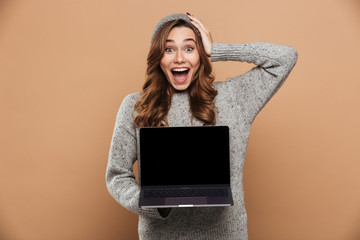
<point>189,39</point>
<point>185,40</point>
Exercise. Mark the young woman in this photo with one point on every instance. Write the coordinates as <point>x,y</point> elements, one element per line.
<point>180,91</point>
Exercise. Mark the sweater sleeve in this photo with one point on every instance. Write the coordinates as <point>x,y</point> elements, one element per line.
<point>120,179</point>
<point>254,89</point>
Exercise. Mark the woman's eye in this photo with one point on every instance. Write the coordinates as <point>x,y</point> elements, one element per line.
<point>168,50</point>
<point>189,49</point>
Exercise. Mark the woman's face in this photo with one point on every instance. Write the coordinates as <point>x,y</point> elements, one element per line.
<point>181,59</point>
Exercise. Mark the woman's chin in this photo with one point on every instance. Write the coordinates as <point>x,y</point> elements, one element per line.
<point>180,86</point>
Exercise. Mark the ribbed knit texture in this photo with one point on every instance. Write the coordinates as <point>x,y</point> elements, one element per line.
<point>171,17</point>
<point>239,100</point>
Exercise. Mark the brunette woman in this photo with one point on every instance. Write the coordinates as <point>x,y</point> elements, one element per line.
<point>180,91</point>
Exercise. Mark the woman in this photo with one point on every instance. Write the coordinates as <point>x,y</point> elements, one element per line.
<point>179,91</point>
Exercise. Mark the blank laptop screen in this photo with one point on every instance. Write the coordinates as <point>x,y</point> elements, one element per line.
<point>184,156</point>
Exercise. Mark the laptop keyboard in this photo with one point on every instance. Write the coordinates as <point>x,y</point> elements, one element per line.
<point>201,192</point>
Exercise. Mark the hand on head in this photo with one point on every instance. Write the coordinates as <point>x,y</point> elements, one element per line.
<point>204,32</point>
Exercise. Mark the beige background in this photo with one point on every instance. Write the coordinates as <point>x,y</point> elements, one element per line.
<point>65,67</point>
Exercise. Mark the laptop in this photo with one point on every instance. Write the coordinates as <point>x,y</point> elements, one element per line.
<point>184,167</point>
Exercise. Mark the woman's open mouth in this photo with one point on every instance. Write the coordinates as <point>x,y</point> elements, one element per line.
<point>180,74</point>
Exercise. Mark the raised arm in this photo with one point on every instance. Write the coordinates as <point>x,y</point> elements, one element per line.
<point>255,88</point>
<point>120,179</point>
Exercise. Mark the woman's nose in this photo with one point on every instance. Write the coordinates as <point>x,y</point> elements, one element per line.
<point>179,57</point>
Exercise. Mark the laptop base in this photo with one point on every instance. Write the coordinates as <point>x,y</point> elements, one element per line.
<point>186,201</point>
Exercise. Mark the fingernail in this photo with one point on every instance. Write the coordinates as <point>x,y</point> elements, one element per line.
<point>188,14</point>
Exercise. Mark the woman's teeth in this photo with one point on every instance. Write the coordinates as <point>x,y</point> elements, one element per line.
<point>180,74</point>
<point>179,69</point>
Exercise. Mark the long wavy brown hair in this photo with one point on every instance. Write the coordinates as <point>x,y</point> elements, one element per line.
<point>152,108</point>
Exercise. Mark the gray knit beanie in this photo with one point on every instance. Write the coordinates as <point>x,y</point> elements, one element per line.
<point>169,18</point>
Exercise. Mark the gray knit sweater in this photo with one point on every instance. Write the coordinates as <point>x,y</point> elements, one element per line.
<point>238,101</point>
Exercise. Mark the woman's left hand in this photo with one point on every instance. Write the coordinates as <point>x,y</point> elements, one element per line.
<point>205,33</point>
